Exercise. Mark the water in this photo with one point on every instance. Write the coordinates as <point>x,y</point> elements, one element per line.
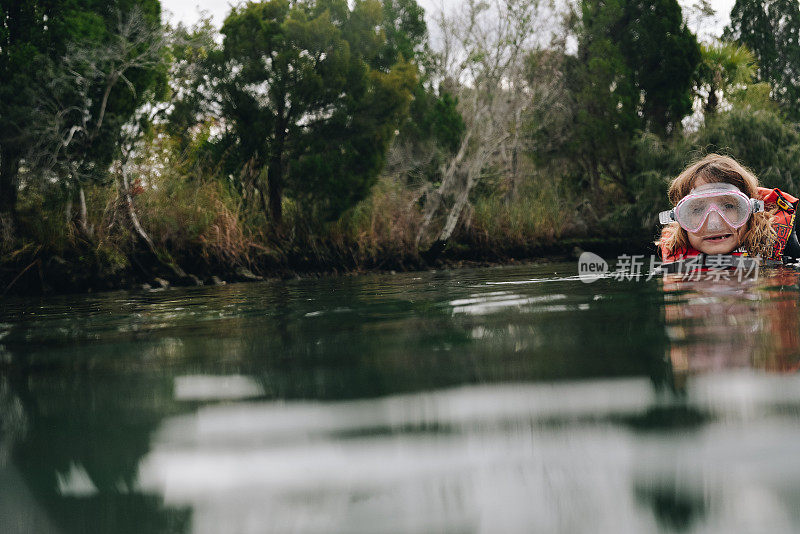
<point>489,400</point>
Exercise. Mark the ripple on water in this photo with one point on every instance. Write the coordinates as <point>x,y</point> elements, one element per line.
<point>485,400</point>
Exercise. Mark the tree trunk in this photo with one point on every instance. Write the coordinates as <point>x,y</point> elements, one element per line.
<point>264,203</point>
<point>253,171</point>
<point>462,180</point>
<point>514,189</point>
<point>275,179</point>
<point>515,145</point>
<point>473,174</point>
<point>125,191</point>
<point>9,183</point>
<point>433,200</point>
<point>713,101</point>
<point>455,214</point>
<point>451,223</point>
<point>68,212</point>
<point>84,213</point>
<point>275,176</point>
<point>141,234</point>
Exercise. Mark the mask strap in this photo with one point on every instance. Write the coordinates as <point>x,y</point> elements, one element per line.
<point>666,217</point>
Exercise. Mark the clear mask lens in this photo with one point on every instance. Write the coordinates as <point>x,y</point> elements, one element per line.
<point>733,209</point>
<point>720,204</point>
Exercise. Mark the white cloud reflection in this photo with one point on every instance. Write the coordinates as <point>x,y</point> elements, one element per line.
<point>213,387</point>
<point>485,303</point>
<point>75,483</point>
<point>511,458</point>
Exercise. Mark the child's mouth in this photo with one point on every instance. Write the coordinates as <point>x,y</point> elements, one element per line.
<point>716,238</point>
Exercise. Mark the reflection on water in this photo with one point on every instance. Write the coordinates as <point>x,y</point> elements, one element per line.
<point>208,387</point>
<point>543,457</point>
<point>716,325</point>
<point>492,400</point>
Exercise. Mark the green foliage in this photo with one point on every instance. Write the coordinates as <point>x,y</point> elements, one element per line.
<point>757,138</point>
<point>633,73</point>
<point>433,115</point>
<point>341,160</point>
<point>662,55</point>
<point>405,31</point>
<point>434,127</point>
<point>755,96</point>
<point>433,118</point>
<point>189,50</point>
<point>771,29</point>
<point>29,31</point>
<point>724,71</point>
<point>71,80</point>
<point>307,99</point>
<point>292,113</point>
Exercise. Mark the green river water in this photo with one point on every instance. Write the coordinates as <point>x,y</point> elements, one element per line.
<point>515,399</point>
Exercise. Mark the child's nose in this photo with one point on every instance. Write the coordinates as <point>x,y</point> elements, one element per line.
<point>714,222</point>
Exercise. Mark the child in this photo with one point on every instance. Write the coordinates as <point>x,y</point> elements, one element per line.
<point>720,209</point>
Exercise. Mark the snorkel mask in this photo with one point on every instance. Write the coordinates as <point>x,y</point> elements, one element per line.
<point>733,206</point>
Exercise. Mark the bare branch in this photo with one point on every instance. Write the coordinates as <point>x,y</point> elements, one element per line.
<point>483,51</point>
<point>71,119</point>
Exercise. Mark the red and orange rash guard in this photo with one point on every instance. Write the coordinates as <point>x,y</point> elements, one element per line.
<point>782,222</point>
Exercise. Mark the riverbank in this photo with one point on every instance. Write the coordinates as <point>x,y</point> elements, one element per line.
<point>202,233</point>
<point>36,271</point>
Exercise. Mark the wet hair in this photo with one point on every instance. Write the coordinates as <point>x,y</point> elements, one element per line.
<point>759,235</point>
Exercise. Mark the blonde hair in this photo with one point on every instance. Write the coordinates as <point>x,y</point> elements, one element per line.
<point>759,236</point>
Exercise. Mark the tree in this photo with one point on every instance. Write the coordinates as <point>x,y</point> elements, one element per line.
<point>483,53</point>
<point>725,69</point>
<point>633,72</point>
<point>434,127</point>
<point>84,106</point>
<point>61,102</point>
<point>29,31</point>
<point>662,55</point>
<point>701,18</point>
<point>405,32</point>
<point>308,99</point>
<point>771,30</point>
<point>605,97</point>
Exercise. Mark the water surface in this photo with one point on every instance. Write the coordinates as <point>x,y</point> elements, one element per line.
<point>487,400</point>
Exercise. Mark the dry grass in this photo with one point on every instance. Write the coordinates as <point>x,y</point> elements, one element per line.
<point>194,219</point>
<point>384,225</point>
<point>535,216</point>
<point>225,239</point>
<point>205,228</point>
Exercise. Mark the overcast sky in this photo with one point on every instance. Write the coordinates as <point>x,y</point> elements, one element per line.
<point>188,11</point>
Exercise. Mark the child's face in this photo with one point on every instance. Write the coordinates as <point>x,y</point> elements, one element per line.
<point>715,236</point>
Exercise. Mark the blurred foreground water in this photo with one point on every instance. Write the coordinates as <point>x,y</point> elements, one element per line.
<point>489,400</point>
